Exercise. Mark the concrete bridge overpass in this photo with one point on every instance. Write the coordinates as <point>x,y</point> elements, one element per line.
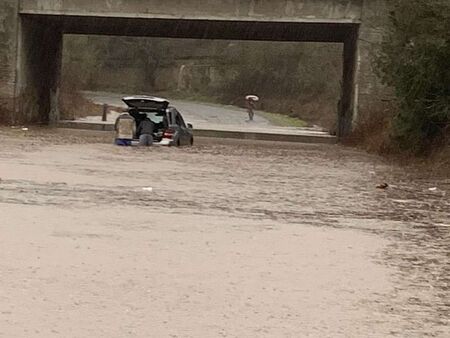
<point>31,35</point>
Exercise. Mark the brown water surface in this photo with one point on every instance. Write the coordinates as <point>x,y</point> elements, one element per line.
<point>236,238</point>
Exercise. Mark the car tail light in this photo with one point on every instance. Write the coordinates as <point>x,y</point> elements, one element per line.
<point>168,133</point>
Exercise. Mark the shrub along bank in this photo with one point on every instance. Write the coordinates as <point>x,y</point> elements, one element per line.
<point>415,61</point>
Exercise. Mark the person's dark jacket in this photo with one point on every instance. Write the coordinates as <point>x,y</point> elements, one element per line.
<point>146,127</point>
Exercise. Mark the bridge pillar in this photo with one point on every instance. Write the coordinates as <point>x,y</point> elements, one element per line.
<point>372,96</point>
<point>9,22</point>
<point>347,104</point>
<point>30,62</point>
<point>39,58</point>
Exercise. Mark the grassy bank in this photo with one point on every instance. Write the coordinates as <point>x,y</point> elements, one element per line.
<point>282,120</point>
<point>279,120</point>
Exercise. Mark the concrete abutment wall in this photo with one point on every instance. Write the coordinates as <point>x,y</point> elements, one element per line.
<point>347,107</point>
<point>30,59</point>
<point>372,96</point>
<point>40,53</point>
<point>9,32</point>
<point>31,42</point>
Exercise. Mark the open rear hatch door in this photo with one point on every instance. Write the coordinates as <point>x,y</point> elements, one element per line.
<point>146,103</point>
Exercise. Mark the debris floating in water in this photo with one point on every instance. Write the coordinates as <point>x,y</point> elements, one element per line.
<point>148,189</point>
<point>383,186</point>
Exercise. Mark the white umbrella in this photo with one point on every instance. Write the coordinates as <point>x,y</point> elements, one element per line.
<point>252,97</point>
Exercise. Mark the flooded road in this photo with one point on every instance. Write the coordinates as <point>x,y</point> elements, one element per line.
<point>228,238</point>
<point>201,115</point>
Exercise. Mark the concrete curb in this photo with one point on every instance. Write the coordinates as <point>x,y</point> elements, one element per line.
<point>262,136</point>
<point>245,135</point>
<point>85,125</point>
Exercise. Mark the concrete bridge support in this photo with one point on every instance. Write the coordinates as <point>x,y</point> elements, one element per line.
<point>31,34</point>
<point>9,22</point>
<point>371,95</point>
<point>347,106</point>
<point>40,54</point>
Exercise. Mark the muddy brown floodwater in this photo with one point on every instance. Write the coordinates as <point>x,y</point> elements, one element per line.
<point>235,239</point>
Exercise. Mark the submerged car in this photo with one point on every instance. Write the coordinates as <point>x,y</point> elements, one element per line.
<point>170,128</point>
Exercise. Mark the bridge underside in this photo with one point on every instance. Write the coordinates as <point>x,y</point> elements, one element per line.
<point>41,46</point>
<point>309,31</point>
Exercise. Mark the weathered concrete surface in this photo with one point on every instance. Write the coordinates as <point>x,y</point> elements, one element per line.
<point>40,64</point>
<point>8,51</point>
<point>289,10</point>
<point>371,95</point>
<point>356,23</point>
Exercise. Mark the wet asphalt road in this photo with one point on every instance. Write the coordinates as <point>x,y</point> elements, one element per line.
<point>205,116</point>
<point>201,115</point>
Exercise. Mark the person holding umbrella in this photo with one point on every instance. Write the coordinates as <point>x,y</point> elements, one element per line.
<point>250,101</point>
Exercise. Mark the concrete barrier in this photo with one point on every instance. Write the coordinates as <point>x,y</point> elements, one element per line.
<point>86,125</point>
<point>234,134</point>
<point>264,136</point>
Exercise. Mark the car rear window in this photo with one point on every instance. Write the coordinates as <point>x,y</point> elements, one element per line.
<point>156,117</point>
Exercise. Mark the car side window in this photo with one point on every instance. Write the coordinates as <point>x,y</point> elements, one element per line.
<point>179,120</point>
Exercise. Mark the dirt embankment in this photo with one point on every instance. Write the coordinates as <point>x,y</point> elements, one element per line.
<point>373,133</point>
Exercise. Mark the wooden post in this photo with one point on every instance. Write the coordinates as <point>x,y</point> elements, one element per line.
<point>105,112</point>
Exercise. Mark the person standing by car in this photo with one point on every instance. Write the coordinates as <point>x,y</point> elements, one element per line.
<point>125,127</point>
<point>145,132</point>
